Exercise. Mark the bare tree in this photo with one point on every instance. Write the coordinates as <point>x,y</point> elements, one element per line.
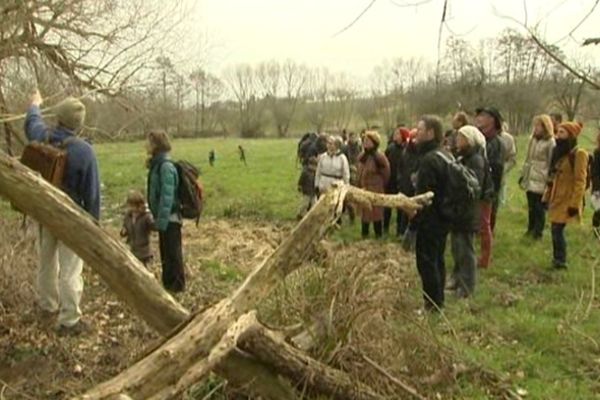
<point>207,88</point>
<point>318,98</point>
<point>243,84</point>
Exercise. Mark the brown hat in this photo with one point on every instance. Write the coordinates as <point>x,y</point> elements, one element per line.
<point>574,128</point>
<point>374,137</point>
<point>70,113</point>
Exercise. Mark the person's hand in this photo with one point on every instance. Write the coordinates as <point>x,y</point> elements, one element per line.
<point>572,212</point>
<point>36,98</point>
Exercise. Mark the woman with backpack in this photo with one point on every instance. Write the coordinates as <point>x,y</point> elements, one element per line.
<point>163,200</point>
<point>534,174</point>
<point>564,194</point>
<point>470,150</point>
<point>373,175</point>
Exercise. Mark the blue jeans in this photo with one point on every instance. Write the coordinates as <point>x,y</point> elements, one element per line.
<point>559,244</point>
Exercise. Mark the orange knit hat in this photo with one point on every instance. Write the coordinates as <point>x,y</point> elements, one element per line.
<point>574,128</point>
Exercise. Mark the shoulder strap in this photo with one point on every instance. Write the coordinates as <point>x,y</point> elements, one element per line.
<point>444,156</point>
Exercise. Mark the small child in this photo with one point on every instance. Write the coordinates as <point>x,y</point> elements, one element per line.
<point>137,226</point>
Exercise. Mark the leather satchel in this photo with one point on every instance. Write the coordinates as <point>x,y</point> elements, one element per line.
<point>49,160</point>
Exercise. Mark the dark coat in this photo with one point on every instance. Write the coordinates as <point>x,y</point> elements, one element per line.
<point>474,160</point>
<point>408,169</point>
<point>138,234</point>
<point>394,155</point>
<point>596,171</point>
<point>495,155</point>
<point>373,175</point>
<point>431,177</point>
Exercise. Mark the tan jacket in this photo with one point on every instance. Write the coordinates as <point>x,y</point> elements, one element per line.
<point>537,164</point>
<point>568,187</point>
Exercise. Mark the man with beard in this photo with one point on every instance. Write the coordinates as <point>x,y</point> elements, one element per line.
<point>565,193</point>
<point>489,121</point>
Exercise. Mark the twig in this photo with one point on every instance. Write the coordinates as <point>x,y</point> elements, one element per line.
<point>355,19</point>
<point>209,394</point>
<point>407,388</point>
<point>416,4</point>
<point>592,291</point>
<point>579,24</point>
<point>5,386</point>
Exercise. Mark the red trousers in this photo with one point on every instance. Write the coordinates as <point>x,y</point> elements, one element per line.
<point>485,234</point>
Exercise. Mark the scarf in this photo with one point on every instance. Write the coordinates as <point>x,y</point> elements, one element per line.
<point>563,148</point>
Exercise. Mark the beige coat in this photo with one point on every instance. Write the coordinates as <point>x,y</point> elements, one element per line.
<point>537,164</point>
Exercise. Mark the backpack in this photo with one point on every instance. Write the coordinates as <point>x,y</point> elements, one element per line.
<point>50,160</point>
<point>588,179</point>
<point>462,191</point>
<point>189,190</point>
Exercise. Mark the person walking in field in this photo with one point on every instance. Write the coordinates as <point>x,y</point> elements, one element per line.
<point>138,225</point>
<point>242,154</point>
<point>163,200</point>
<point>212,157</point>
<point>332,166</point>
<point>470,145</point>
<point>59,281</point>
<point>534,174</point>
<point>565,193</point>
<point>373,175</point>
<point>489,122</point>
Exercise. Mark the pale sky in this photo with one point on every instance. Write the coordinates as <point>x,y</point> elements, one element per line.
<point>251,31</point>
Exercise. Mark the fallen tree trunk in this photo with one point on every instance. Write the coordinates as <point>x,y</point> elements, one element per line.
<point>134,285</point>
<point>268,347</point>
<point>121,271</point>
<point>166,366</point>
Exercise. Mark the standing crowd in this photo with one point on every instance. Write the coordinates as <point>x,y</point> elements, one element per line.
<point>466,168</point>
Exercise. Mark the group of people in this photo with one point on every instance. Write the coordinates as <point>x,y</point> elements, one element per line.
<point>554,177</point>
<point>59,280</point>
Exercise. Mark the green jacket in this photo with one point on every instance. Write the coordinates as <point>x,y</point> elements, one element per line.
<point>162,190</point>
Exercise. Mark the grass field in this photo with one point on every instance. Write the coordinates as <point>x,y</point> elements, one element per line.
<point>536,327</point>
<point>539,327</point>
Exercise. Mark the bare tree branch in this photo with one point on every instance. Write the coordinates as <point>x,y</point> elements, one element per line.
<point>363,12</point>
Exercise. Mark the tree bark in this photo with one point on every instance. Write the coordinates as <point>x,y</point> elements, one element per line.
<point>272,350</point>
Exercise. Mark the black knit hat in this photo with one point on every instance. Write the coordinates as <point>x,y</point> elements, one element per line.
<point>493,112</point>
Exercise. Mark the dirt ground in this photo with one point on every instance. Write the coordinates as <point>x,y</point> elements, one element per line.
<point>363,296</point>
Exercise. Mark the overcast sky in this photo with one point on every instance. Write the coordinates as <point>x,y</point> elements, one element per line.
<point>250,31</point>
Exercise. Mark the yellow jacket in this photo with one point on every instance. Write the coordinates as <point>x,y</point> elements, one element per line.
<point>568,187</point>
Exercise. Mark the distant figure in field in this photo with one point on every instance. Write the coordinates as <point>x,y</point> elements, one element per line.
<point>242,154</point>
<point>138,224</point>
<point>212,157</point>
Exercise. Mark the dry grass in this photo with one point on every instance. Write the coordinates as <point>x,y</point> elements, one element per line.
<point>363,298</point>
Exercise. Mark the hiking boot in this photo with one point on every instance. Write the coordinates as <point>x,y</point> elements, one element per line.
<point>452,284</point>
<point>558,265</point>
<point>75,330</point>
